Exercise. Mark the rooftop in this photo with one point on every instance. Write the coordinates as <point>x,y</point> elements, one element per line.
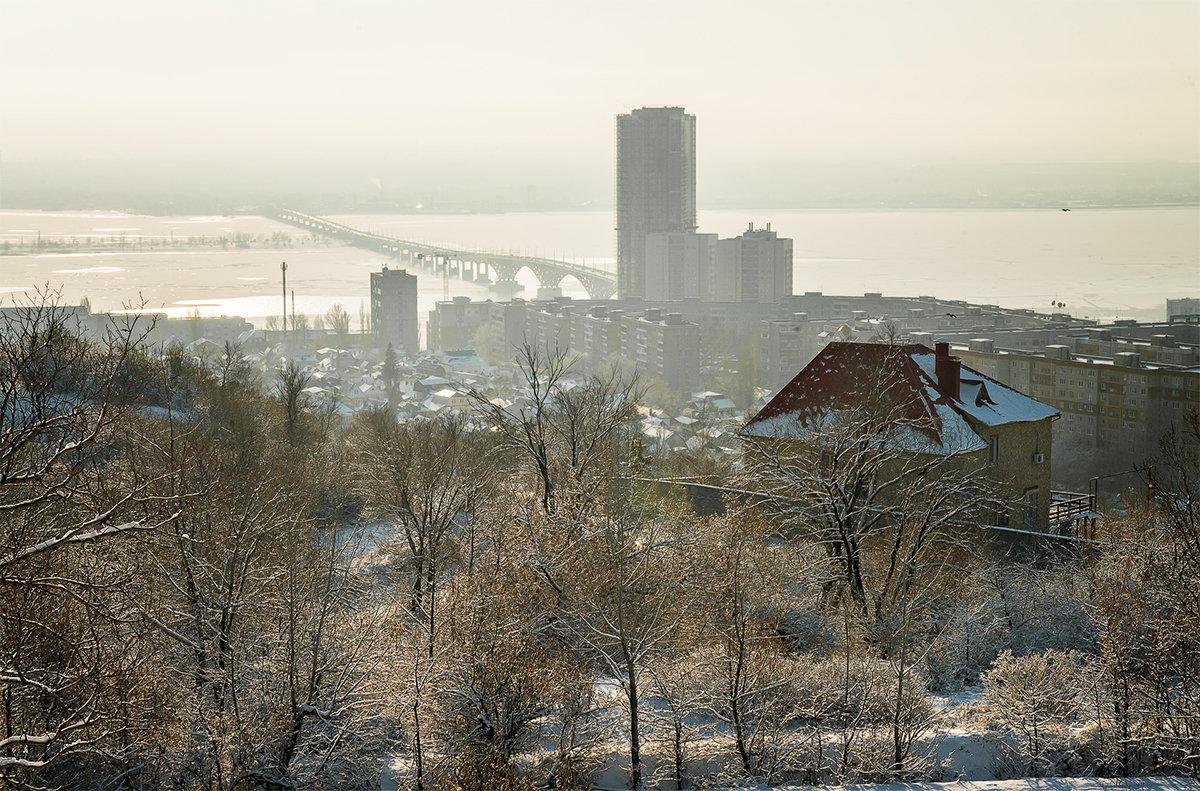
<point>937,416</point>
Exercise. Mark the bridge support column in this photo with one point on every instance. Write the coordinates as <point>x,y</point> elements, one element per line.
<point>549,292</point>
<point>506,290</point>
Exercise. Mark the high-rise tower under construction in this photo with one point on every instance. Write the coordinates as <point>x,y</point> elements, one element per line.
<point>656,186</point>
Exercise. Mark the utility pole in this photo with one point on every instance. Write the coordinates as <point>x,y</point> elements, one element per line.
<point>283,269</point>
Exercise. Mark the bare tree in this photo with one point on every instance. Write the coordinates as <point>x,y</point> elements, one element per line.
<point>290,383</point>
<point>734,576</point>
<point>234,368</point>
<point>1037,697</point>
<point>426,476</point>
<point>1148,600</point>
<point>70,502</point>
<point>622,604</point>
<point>301,325</point>
<point>565,436</point>
<point>338,321</point>
<point>886,492</point>
<point>255,604</point>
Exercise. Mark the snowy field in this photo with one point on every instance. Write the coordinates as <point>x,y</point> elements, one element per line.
<point>1023,784</point>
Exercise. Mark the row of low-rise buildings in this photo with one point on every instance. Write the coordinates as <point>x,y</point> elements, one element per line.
<point>659,343</point>
<point>675,339</point>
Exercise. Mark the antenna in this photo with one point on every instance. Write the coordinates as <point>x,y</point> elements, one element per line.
<point>283,269</point>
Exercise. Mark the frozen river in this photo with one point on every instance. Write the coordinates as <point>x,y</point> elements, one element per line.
<point>1103,263</point>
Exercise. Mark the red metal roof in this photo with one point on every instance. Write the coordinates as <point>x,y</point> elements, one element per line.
<point>843,373</point>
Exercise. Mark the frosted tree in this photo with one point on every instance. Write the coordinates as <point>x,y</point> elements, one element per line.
<point>72,505</point>
<point>884,491</point>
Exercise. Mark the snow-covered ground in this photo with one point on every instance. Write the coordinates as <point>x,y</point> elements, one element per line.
<point>1022,784</point>
<point>963,747</point>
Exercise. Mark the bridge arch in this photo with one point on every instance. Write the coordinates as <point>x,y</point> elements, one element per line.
<point>529,278</point>
<point>573,286</point>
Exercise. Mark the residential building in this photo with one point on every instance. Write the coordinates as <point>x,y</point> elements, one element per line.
<point>659,343</point>
<point>1183,308</point>
<point>941,409</point>
<point>394,309</point>
<point>679,265</point>
<point>786,346</point>
<point>753,267</point>
<point>656,186</point>
<point>455,324</point>
<point>1107,403</point>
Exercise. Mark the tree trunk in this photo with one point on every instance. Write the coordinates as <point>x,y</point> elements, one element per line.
<point>635,744</point>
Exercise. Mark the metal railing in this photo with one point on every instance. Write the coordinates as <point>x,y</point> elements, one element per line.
<point>1066,506</point>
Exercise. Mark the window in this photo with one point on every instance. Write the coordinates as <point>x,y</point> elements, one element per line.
<point>993,450</point>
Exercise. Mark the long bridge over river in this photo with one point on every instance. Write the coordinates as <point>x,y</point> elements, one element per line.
<point>499,269</point>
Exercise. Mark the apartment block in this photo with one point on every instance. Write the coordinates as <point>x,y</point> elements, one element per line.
<point>394,309</point>
<point>659,343</point>
<point>753,267</point>
<point>1106,402</point>
<point>679,265</point>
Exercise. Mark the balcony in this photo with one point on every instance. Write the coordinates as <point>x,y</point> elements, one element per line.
<point>1066,507</point>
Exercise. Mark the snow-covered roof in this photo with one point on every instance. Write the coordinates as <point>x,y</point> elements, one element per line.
<point>930,419</point>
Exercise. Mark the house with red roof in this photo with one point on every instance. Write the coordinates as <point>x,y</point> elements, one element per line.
<point>935,408</point>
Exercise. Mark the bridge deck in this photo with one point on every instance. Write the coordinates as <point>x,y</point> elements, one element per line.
<point>599,283</point>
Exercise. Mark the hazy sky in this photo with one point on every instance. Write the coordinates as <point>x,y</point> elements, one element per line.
<point>306,80</point>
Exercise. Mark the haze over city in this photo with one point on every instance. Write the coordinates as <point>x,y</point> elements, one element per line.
<point>513,394</point>
<point>485,105</point>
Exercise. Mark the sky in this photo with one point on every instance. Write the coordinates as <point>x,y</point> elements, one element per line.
<point>495,83</point>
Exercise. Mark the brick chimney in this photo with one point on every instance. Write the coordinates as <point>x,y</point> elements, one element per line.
<point>948,370</point>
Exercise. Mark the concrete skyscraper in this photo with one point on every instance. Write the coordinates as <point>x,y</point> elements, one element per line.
<point>394,308</point>
<point>656,186</point>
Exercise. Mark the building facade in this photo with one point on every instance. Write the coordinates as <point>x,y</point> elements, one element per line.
<point>1119,402</point>
<point>658,343</point>
<point>942,409</point>
<point>656,186</point>
<point>753,267</point>
<point>394,309</point>
<point>679,265</point>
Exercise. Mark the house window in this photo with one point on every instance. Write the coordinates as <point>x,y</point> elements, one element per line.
<point>994,450</point>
